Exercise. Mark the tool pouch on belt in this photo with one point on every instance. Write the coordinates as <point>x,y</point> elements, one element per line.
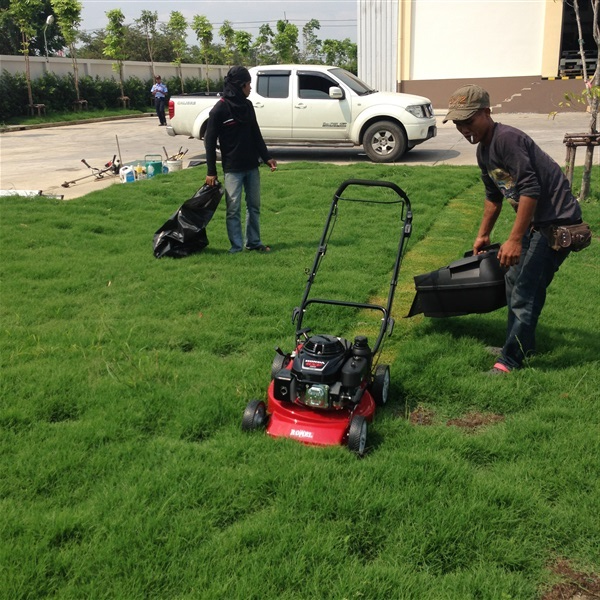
<point>571,237</point>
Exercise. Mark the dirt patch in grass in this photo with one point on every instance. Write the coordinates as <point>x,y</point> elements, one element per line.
<point>575,585</point>
<point>421,416</point>
<point>475,420</point>
<point>471,421</point>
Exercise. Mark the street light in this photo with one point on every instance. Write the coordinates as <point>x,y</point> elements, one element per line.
<point>49,21</point>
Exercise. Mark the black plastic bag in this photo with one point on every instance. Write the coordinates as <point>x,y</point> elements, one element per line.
<point>185,231</point>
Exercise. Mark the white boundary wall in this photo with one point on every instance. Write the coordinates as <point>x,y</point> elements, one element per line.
<point>103,68</point>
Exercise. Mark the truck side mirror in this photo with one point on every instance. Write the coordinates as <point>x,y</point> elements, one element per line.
<point>336,93</point>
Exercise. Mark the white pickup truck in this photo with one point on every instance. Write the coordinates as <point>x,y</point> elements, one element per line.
<point>303,105</point>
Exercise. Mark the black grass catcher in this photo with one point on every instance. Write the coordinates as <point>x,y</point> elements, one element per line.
<point>185,231</point>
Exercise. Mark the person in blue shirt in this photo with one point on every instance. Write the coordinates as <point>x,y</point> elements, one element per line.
<point>159,91</point>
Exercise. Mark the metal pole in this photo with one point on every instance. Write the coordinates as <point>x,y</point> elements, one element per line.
<point>49,21</point>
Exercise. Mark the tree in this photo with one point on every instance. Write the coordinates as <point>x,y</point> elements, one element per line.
<point>203,30</point>
<point>285,42</point>
<point>227,34</point>
<point>24,13</point>
<point>68,16</point>
<point>176,28</point>
<point>341,53</point>
<point>243,44</point>
<point>147,24</point>
<point>333,52</point>
<point>91,45</point>
<point>262,46</point>
<point>591,93</point>
<point>351,62</point>
<point>312,45</point>
<point>10,34</point>
<point>114,42</point>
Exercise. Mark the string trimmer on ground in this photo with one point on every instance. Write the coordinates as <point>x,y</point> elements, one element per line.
<point>112,167</point>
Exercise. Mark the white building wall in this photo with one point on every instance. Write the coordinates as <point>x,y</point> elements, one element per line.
<point>378,43</point>
<point>476,38</point>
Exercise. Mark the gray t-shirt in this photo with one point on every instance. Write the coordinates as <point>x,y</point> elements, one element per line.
<point>513,165</point>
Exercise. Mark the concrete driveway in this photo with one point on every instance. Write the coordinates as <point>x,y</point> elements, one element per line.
<point>43,159</point>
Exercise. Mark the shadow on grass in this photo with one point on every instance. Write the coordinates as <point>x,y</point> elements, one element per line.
<point>557,347</point>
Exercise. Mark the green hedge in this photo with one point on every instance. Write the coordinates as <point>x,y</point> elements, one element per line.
<point>58,92</point>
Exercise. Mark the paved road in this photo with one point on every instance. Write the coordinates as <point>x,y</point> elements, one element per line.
<point>44,159</point>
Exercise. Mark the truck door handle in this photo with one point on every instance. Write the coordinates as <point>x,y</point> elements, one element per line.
<point>259,105</point>
<point>300,106</point>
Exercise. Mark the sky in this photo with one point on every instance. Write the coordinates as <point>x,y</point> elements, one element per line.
<point>338,18</point>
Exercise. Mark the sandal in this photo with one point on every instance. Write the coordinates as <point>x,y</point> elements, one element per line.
<point>499,369</point>
<point>261,248</point>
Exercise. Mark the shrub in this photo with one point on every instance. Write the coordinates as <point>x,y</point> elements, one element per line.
<point>58,92</point>
<point>13,95</point>
<point>138,92</point>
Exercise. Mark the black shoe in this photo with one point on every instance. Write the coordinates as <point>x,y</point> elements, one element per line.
<point>261,248</point>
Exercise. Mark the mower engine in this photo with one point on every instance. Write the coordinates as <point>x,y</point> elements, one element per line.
<point>327,372</point>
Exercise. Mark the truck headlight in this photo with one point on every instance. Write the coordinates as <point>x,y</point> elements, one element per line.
<point>421,111</point>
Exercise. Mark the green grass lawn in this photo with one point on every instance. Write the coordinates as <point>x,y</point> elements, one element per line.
<point>124,472</point>
<point>68,116</point>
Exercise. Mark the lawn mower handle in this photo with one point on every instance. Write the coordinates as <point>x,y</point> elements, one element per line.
<point>370,183</point>
<point>387,321</point>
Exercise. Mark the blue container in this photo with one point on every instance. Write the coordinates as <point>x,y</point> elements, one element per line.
<point>154,165</point>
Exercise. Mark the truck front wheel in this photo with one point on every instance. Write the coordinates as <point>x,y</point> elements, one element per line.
<point>384,141</point>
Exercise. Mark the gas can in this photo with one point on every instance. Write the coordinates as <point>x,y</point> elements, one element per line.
<point>126,174</point>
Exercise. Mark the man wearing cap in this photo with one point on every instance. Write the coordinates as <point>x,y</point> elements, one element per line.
<point>233,122</point>
<point>159,91</point>
<point>515,169</point>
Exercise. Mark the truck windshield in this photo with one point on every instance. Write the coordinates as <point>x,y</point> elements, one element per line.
<point>352,81</point>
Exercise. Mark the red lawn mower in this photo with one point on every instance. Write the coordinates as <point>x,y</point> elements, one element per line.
<point>326,390</point>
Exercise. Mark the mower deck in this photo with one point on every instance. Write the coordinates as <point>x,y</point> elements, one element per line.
<point>315,426</point>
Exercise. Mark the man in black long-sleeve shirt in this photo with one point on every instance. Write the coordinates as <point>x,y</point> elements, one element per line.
<point>515,169</point>
<point>233,122</point>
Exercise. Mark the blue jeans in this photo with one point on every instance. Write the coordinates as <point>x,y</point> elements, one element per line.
<point>249,181</point>
<point>526,285</point>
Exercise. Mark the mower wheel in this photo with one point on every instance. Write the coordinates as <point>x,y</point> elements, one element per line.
<point>357,435</point>
<point>255,416</point>
<point>279,362</point>
<point>380,387</point>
